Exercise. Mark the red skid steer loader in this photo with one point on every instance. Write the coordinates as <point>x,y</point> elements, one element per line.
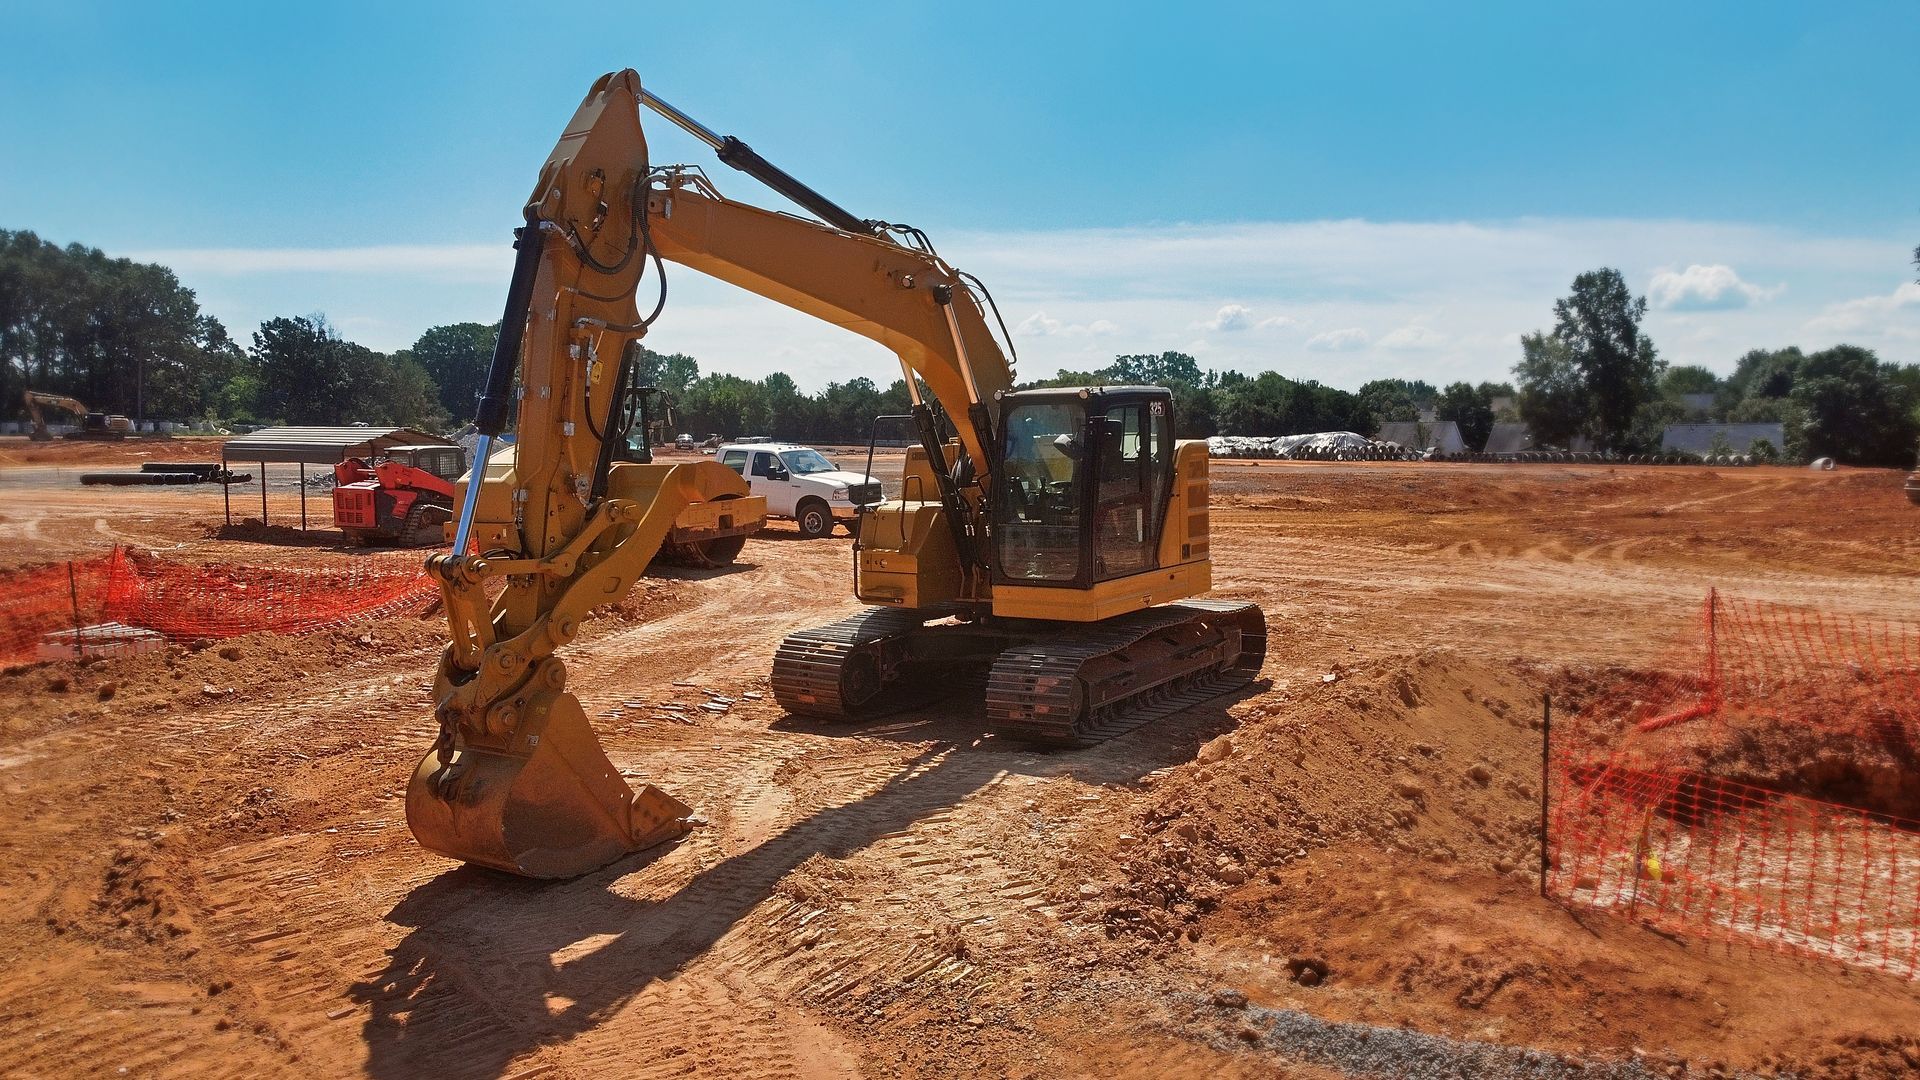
<point>404,497</point>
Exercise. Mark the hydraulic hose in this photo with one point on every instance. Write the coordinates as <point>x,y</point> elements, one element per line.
<point>490,418</point>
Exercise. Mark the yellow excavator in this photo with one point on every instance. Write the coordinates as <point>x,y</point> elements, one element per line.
<point>93,425</point>
<point>1044,545</point>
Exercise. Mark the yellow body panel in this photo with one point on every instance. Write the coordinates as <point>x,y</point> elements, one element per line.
<point>906,557</point>
<point>1185,535</point>
<point>1107,598</point>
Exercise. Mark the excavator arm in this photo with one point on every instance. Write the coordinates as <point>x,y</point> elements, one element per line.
<point>517,780</point>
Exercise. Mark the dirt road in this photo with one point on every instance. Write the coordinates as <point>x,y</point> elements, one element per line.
<point>210,873</point>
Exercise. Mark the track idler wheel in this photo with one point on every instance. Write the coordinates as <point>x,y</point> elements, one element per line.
<point>542,801</point>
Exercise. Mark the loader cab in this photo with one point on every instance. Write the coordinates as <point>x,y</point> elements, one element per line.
<point>1084,480</point>
<point>445,462</point>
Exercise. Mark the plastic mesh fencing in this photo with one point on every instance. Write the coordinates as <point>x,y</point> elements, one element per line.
<point>41,607</point>
<point>1763,793</point>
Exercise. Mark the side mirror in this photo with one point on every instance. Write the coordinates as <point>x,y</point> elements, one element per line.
<point>778,473</point>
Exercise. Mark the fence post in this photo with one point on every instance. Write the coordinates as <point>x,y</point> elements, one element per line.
<point>73,599</point>
<point>1546,775</point>
<point>1713,649</point>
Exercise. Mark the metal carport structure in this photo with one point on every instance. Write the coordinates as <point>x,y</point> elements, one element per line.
<point>327,446</point>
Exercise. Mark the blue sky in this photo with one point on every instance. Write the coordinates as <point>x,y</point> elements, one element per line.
<point>1334,191</point>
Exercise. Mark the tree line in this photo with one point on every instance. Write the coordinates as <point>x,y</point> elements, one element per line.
<point>1596,376</point>
<point>127,337</point>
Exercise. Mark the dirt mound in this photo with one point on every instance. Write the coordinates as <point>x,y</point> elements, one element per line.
<point>1365,850</point>
<point>195,676</point>
<point>1433,755</point>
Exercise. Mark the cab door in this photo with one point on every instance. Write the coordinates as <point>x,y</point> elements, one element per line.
<point>1135,453</point>
<point>769,478</point>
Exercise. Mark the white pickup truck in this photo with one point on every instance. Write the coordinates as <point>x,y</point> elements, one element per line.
<point>800,483</point>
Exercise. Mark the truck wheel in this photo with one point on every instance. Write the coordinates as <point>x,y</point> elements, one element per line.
<point>814,518</point>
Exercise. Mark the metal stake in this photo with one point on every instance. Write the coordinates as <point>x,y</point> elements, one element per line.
<point>1546,776</point>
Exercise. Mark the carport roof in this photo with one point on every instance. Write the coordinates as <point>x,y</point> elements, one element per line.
<point>323,445</point>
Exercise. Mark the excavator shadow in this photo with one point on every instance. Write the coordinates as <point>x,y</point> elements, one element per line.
<point>495,966</point>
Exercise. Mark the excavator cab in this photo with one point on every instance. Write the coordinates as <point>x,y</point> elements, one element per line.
<point>633,423</point>
<point>1083,486</point>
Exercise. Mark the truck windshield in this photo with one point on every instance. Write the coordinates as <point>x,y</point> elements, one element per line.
<point>803,462</point>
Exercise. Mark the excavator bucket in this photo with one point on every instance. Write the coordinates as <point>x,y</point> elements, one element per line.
<point>544,803</point>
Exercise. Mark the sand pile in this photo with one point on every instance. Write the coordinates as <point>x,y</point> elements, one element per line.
<point>1432,755</point>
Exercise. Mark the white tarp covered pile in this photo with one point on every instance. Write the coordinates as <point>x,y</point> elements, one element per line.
<point>1319,446</point>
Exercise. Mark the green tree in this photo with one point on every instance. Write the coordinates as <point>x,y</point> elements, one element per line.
<point>1471,407</point>
<point>788,413</point>
<point>1389,400</point>
<point>394,390</point>
<point>1762,373</point>
<point>456,358</point>
<point>1552,400</point>
<point>1852,410</point>
<point>671,372</point>
<point>304,372</point>
<point>1272,404</point>
<point>1165,369</point>
<point>1619,370</point>
<point>122,336</point>
<point>1688,379</point>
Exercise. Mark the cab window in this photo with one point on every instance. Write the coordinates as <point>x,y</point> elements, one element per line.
<point>1123,510</point>
<point>1039,531</point>
<point>763,465</point>
<point>735,460</point>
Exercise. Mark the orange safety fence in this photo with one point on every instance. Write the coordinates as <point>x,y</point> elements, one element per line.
<point>1763,793</point>
<point>183,602</point>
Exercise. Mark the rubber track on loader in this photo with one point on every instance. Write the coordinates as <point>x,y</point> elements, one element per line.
<point>810,666</point>
<point>1031,692</point>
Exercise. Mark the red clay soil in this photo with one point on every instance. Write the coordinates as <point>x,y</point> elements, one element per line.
<point>222,884</point>
<point>19,450</point>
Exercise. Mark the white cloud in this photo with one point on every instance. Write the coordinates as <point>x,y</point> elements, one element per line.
<point>1414,338</point>
<point>1230,318</point>
<point>1896,313</point>
<point>1705,288</point>
<point>1345,340</point>
<point>1276,322</point>
<point>1040,324</point>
